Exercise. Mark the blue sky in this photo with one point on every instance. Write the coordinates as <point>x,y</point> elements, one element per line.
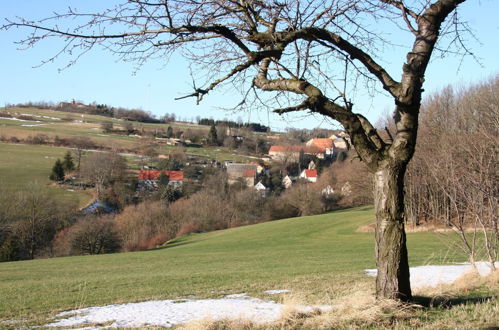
<point>100,77</point>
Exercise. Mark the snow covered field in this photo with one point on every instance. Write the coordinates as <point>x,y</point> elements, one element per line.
<point>167,313</point>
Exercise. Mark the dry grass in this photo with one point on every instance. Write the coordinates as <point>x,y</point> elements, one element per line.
<point>450,307</point>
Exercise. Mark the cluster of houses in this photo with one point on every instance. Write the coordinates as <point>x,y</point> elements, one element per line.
<point>149,179</point>
<point>248,173</point>
<point>322,148</point>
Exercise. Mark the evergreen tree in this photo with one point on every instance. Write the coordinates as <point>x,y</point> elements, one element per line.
<point>68,163</point>
<point>169,132</point>
<point>212,136</point>
<point>57,171</point>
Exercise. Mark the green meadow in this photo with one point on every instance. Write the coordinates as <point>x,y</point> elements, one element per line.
<point>23,165</point>
<point>317,256</point>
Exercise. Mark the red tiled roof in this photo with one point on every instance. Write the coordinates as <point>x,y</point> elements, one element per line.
<point>322,143</point>
<point>175,175</point>
<point>311,173</point>
<point>154,175</point>
<point>149,174</point>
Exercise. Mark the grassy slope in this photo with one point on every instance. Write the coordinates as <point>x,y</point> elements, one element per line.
<point>21,165</point>
<point>317,255</point>
<point>91,129</point>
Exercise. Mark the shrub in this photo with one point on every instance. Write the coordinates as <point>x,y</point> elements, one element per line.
<point>94,235</point>
<point>146,225</point>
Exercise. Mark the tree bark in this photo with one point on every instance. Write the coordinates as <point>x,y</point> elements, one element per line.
<point>392,281</point>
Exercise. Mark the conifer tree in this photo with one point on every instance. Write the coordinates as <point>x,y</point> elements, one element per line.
<point>68,163</point>
<point>57,171</point>
<point>212,136</point>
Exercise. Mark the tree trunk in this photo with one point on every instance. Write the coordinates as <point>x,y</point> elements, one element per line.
<point>391,251</point>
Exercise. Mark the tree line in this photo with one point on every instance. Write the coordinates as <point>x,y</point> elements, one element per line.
<point>254,127</point>
<point>453,176</point>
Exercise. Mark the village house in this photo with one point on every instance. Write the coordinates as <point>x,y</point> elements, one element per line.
<point>309,175</point>
<point>149,179</point>
<point>292,153</point>
<point>326,145</point>
<point>246,172</point>
<point>261,189</point>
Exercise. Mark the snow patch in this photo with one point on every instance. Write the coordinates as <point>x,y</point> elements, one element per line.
<point>432,276</point>
<point>277,291</point>
<point>168,313</point>
<point>32,125</point>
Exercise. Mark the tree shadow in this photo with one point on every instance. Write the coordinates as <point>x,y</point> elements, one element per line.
<point>449,302</point>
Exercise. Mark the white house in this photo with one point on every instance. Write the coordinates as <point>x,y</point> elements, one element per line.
<point>309,175</point>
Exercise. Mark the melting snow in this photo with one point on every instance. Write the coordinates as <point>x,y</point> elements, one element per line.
<point>432,276</point>
<point>167,313</point>
<point>278,291</point>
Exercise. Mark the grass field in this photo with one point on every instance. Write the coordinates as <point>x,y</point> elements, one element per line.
<point>317,256</point>
<point>23,165</point>
<point>66,125</point>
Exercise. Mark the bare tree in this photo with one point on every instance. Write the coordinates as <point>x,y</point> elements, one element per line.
<point>79,145</point>
<point>455,180</point>
<point>103,169</point>
<point>296,50</point>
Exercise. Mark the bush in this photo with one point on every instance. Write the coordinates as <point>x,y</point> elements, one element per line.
<point>94,235</point>
<point>146,226</point>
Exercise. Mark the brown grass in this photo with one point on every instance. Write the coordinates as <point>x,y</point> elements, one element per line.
<point>358,309</point>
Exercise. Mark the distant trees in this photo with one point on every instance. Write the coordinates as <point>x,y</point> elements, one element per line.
<point>455,180</point>
<point>29,220</point>
<point>102,169</point>
<point>107,126</point>
<point>255,127</point>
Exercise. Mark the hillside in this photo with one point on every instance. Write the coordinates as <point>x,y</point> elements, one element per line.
<point>23,124</point>
<point>318,256</point>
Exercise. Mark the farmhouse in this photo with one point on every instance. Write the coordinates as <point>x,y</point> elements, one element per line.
<point>326,145</point>
<point>292,153</point>
<point>149,179</point>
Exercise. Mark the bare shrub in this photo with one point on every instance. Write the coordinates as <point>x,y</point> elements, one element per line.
<point>94,235</point>
<point>146,225</point>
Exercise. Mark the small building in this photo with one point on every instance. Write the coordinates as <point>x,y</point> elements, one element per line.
<point>247,172</point>
<point>327,191</point>
<point>292,153</point>
<point>309,175</point>
<point>260,188</point>
<point>287,182</point>
<point>149,179</point>
<point>326,145</point>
